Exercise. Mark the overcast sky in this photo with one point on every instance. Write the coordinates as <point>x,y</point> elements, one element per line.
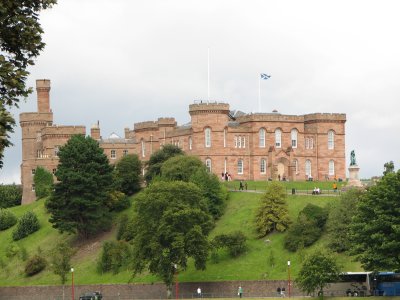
<point>122,62</point>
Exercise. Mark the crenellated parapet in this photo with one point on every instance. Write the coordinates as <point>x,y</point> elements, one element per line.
<point>268,117</point>
<point>208,108</point>
<point>324,117</point>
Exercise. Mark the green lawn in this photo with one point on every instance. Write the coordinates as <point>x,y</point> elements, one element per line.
<point>253,265</point>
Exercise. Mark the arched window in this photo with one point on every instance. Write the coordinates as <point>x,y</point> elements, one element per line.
<point>225,164</point>
<point>239,141</point>
<point>311,143</point>
<point>208,165</point>
<point>143,149</point>
<point>190,143</point>
<point>244,142</point>
<point>331,168</point>
<point>207,136</point>
<point>293,135</point>
<point>263,166</point>
<point>224,137</point>
<point>240,166</point>
<point>296,166</point>
<point>331,140</point>
<point>307,143</point>
<point>278,138</point>
<point>261,138</point>
<point>308,168</point>
<point>236,142</point>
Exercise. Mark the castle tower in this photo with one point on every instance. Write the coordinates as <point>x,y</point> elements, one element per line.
<point>95,131</point>
<point>31,125</point>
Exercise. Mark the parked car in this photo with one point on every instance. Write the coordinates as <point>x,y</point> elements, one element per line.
<point>91,296</point>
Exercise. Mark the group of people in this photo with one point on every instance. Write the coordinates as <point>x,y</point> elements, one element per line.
<point>200,295</point>
<point>316,191</point>
<point>226,176</point>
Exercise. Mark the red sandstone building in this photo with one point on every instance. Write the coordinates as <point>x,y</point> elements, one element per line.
<point>256,146</point>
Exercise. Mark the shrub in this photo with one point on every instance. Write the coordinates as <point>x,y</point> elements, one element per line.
<point>10,195</point>
<point>35,265</point>
<point>118,201</point>
<point>234,242</point>
<point>11,250</point>
<point>7,219</point>
<point>115,254</point>
<point>28,224</point>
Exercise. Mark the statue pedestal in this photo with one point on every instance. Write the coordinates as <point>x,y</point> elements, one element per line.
<point>354,181</point>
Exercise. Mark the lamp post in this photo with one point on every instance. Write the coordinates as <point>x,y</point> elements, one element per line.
<point>72,283</point>
<point>176,282</point>
<point>288,267</point>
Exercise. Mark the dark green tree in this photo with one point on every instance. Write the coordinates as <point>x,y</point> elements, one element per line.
<point>273,213</point>
<point>79,201</point>
<point>20,43</point>
<point>43,180</point>
<point>375,228</point>
<point>318,270</point>
<point>234,242</point>
<point>10,195</point>
<point>389,167</point>
<point>127,174</point>
<point>180,167</point>
<point>158,158</point>
<point>339,221</point>
<point>171,225</point>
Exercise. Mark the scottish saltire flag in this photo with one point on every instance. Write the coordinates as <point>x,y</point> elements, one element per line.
<point>265,76</point>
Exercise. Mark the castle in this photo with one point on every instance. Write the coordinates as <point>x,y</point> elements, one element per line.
<point>255,146</point>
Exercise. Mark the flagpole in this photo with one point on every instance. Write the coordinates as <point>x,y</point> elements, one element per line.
<point>259,93</point>
<point>208,74</point>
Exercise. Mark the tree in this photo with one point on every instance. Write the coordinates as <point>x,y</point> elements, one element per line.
<point>317,271</point>
<point>272,214</point>
<point>171,225</point>
<point>78,204</point>
<point>43,180</point>
<point>158,158</point>
<point>389,167</point>
<point>10,195</point>
<point>20,43</point>
<point>60,258</point>
<point>339,221</point>
<point>375,228</point>
<point>180,167</point>
<point>127,174</point>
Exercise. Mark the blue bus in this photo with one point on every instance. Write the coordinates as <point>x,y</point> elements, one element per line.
<point>385,284</point>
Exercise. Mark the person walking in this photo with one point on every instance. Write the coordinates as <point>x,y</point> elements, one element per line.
<point>241,185</point>
<point>240,292</point>
<point>198,292</point>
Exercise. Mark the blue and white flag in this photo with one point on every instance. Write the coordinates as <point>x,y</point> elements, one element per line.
<point>265,76</point>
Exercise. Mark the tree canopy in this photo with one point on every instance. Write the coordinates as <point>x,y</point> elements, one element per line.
<point>317,271</point>
<point>158,158</point>
<point>171,225</point>
<point>127,174</point>
<point>43,180</point>
<point>78,203</point>
<point>375,229</point>
<point>20,43</point>
<point>273,213</point>
<point>180,167</point>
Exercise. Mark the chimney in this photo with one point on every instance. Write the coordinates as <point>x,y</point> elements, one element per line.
<point>95,131</point>
<point>43,95</point>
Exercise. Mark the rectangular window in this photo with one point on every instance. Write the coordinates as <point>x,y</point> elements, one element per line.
<point>207,134</point>
<point>54,171</point>
<point>56,150</point>
<point>236,142</point>
<point>125,152</point>
<point>33,171</point>
<point>244,142</point>
<point>224,138</point>
<point>33,187</point>
<point>240,166</point>
<point>263,166</point>
<point>113,154</point>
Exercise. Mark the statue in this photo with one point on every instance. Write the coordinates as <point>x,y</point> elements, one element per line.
<point>352,158</point>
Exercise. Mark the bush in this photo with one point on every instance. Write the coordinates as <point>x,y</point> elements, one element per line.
<point>126,229</point>
<point>10,195</point>
<point>11,250</point>
<point>118,201</point>
<point>35,265</point>
<point>115,254</point>
<point>28,224</point>
<point>7,219</point>
<point>43,180</point>
<point>234,242</point>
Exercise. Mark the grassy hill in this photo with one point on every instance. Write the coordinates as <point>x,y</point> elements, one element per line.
<point>255,264</point>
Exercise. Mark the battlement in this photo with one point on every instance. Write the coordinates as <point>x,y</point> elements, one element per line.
<point>325,117</point>
<point>145,125</point>
<point>208,107</point>
<point>166,122</point>
<point>268,117</point>
<point>43,84</point>
<point>35,117</point>
<point>62,130</point>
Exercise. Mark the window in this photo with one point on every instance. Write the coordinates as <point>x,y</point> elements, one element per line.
<point>208,165</point>
<point>56,150</point>
<point>113,154</point>
<point>239,141</point>
<point>236,142</point>
<point>225,164</point>
<point>331,168</point>
<point>190,143</point>
<point>263,166</point>
<point>125,152</point>
<point>293,135</point>
<point>240,166</point>
<point>278,138</point>
<point>54,171</point>
<point>261,138</point>
<point>307,143</point>
<point>33,187</point>
<point>331,140</point>
<point>311,143</point>
<point>143,149</point>
<point>207,136</point>
<point>308,168</point>
<point>224,137</point>
<point>244,142</point>
<point>33,171</point>
<point>296,166</point>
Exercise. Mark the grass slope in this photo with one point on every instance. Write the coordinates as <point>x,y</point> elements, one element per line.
<point>255,264</point>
